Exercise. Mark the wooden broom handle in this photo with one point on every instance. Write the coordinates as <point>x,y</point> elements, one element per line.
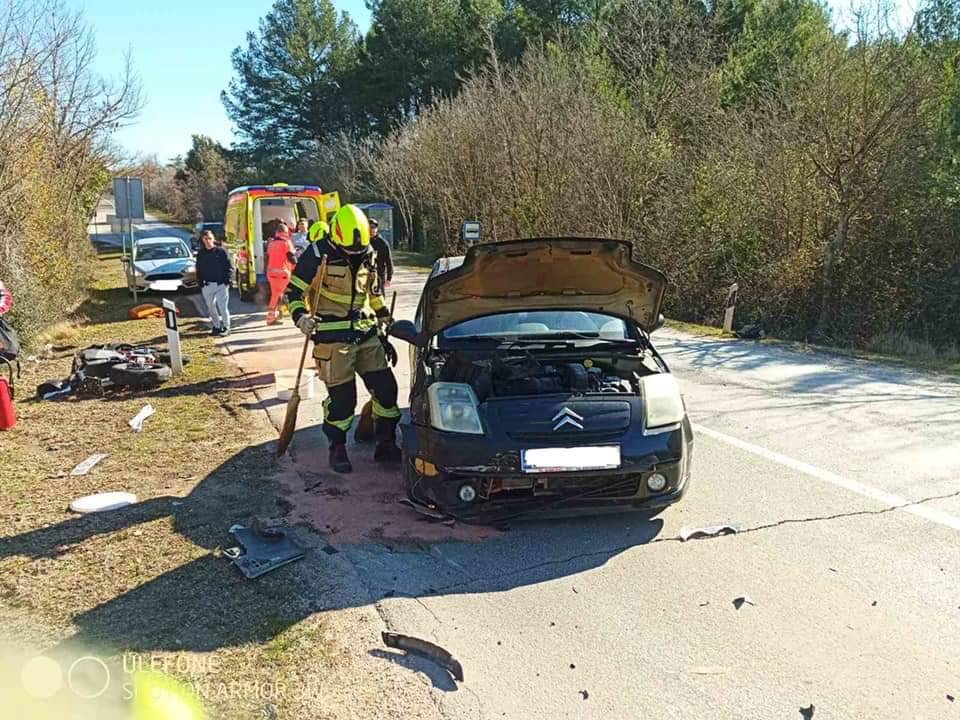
<point>314,301</point>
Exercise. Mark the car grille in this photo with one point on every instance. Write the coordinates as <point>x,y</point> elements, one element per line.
<point>165,276</point>
<point>601,486</point>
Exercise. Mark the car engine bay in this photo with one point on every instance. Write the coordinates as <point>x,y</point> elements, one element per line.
<point>507,374</point>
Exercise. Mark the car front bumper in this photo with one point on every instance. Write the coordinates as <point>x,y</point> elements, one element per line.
<point>438,464</point>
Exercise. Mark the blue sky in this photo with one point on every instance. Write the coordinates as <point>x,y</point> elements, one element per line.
<point>181,52</point>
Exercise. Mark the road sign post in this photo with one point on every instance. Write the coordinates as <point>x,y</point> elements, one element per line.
<point>173,335</point>
<point>471,232</point>
<point>128,204</point>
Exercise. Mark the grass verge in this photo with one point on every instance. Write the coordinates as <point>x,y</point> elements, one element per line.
<point>148,585</point>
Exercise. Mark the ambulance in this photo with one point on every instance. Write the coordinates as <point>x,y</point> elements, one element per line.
<point>251,213</point>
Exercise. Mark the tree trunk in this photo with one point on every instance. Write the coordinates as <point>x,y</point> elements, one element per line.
<point>834,248</point>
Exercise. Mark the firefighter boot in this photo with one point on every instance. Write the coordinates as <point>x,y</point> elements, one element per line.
<point>339,462</point>
<point>386,449</point>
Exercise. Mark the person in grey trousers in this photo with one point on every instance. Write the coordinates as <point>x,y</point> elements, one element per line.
<point>215,274</point>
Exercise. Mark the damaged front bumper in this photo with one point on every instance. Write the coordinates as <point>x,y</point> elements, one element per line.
<point>438,465</point>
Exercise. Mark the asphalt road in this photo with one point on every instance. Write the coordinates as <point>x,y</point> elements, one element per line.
<point>846,475</point>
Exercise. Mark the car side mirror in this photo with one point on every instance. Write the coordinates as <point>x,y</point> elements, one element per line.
<point>404,330</point>
<point>661,321</point>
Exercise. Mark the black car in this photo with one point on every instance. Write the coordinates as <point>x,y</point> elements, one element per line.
<point>535,385</point>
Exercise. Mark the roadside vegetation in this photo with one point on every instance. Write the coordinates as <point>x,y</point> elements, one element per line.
<point>56,116</point>
<point>811,159</point>
<point>149,584</point>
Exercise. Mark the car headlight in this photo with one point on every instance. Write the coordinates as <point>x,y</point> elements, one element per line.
<point>662,403</point>
<point>453,407</point>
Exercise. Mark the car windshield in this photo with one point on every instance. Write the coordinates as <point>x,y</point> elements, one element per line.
<point>540,325</point>
<point>162,251</point>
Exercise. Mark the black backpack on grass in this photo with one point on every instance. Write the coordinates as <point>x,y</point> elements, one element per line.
<point>9,344</point>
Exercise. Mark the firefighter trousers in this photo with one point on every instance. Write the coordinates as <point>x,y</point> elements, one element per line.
<point>338,364</point>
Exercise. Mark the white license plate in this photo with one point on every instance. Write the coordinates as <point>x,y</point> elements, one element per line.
<point>165,285</point>
<point>544,460</point>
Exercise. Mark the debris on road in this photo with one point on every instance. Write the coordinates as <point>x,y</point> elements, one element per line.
<point>259,554</point>
<point>950,697</point>
<point>704,603</point>
<point>717,530</point>
<point>742,600</point>
<point>873,604</point>
<point>584,694</point>
<point>807,712</point>
<point>101,502</point>
<point>425,648</point>
<point>136,422</point>
<point>87,465</point>
<point>707,670</point>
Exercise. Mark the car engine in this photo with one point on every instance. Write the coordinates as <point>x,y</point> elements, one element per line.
<point>505,375</point>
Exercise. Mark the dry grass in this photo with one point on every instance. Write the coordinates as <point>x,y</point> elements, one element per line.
<point>150,580</point>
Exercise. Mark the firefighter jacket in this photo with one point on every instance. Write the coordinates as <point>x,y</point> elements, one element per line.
<point>350,298</point>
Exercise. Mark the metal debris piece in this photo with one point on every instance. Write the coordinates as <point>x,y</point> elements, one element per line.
<point>87,465</point>
<point>136,422</point>
<point>742,600</point>
<point>262,554</point>
<point>425,648</point>
<point>689,533</point>
<point>423,510</point>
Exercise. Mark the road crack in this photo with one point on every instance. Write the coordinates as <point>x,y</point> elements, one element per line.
<point>676,539</point>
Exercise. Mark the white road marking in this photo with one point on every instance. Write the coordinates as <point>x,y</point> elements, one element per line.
<point>902,503</point>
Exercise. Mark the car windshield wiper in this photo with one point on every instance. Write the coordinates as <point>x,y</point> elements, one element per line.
<point>567,335</point>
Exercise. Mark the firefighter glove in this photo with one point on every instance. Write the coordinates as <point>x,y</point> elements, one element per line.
<point>306,324</point>
<point>389,351</point>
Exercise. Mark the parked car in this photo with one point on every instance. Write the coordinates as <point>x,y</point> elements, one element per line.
<point>162,264</point>
<point>200,228</point>
<point>536,387</point>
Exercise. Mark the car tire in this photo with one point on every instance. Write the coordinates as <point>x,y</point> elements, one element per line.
<point>137,375</point>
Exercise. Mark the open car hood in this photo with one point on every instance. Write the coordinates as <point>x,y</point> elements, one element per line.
<point>544,274</point>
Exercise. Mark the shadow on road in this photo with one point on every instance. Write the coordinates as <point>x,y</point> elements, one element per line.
<point>206,604</point>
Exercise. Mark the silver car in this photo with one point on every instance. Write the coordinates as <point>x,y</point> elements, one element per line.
<point>162,264</point>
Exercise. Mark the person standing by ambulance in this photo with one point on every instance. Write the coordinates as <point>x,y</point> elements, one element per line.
<point>346,333</point>
<point>280,262</point>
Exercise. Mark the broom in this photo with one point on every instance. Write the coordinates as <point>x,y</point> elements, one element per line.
<point>290,421</point>
<point>365,431</point>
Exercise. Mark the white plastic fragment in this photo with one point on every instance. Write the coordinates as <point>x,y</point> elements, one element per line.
<point>136,422</point>
<point>87,465</point>
<point>101,502</point>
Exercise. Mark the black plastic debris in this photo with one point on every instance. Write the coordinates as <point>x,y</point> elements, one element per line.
<point>739,602</point>
<point>807,712</point>
<point>426,649</point>
<point>707,531</point>
<point>260,554</point>
<point>584,694</point>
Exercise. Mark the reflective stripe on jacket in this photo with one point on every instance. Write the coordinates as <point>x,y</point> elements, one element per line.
<point>348,302</point>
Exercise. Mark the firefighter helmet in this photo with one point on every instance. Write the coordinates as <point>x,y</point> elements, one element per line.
<point>318,231</point>
<point>350,229</point>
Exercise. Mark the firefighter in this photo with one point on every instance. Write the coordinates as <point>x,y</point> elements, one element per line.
<point>345,329</point>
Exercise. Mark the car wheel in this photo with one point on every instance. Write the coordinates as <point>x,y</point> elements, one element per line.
<point>137,375</point>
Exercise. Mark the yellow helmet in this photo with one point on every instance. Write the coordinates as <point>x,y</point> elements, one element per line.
<point>350,229</point>
<point>318,230</point>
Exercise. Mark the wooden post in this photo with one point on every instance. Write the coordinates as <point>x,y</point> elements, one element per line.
<point>729,307</point>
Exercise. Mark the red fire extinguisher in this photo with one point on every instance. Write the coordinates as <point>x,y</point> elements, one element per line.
<point>8,417</point>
